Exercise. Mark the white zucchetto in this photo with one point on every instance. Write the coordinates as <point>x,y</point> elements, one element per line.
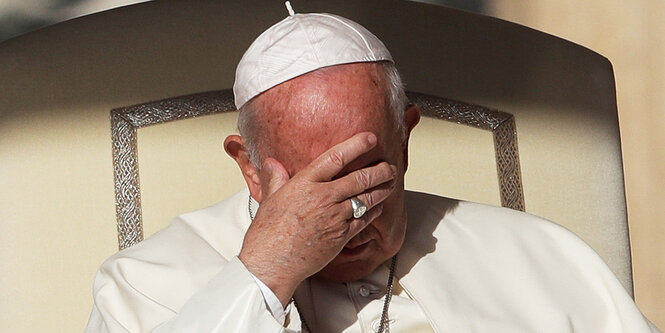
<point>299,44</point>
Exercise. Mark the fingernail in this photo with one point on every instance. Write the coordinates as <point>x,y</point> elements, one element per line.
<point>371,138</point>
<point>394,169</point>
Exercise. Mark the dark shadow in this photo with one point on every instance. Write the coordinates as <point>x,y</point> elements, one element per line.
<point>425,212</point>
<point>475,6</point>
<point>14,23</point>
<point>440,51</point>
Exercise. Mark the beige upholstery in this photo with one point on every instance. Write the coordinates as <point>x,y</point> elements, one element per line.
<point>59,84</point>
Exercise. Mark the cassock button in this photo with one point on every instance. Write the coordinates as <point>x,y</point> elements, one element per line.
<point>364,291</point>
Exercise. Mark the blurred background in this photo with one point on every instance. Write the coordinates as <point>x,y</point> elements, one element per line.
<point>630,34</point>
<point>20,16</point>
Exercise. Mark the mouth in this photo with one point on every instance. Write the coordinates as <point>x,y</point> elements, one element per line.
<point>354,251</point>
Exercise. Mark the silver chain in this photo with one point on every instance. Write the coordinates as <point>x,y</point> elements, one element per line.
<point>384,327</point>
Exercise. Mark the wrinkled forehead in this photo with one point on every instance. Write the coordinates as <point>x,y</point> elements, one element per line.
<point>307,115</point>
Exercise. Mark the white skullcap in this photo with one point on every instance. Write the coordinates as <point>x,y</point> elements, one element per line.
<point>299,44</point>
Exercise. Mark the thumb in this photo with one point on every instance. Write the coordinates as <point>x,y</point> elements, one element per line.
<point>277,175</point>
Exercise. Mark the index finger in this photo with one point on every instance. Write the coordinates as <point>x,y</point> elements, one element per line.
<point>331,162</point>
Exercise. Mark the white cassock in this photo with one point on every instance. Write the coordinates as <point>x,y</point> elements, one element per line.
<point>464,267</point>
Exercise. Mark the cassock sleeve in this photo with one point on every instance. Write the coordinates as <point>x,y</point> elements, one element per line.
<point>230,302</point>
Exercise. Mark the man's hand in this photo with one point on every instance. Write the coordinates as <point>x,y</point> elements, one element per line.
<point>305,221</point>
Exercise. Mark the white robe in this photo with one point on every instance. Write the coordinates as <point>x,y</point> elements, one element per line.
<point>470,267</point>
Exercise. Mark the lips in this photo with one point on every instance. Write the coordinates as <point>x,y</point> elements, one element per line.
<point>352,251</point>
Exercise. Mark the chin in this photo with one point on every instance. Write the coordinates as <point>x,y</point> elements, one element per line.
<point>354,264</point>
<point>347,272</point>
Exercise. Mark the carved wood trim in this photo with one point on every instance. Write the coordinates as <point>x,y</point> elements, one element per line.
<point>502,126</point>
<point>126,121</point>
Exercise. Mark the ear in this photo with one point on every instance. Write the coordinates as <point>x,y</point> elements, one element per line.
<point>411,118</point>
<point>234,145</point>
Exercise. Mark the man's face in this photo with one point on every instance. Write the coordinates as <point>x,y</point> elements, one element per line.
<point>308,115</point>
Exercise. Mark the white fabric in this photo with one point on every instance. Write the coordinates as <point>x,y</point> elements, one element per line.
<point>358,306</point>
<point>272,302</point>
<point>470,268</point>
<point>300,44</point>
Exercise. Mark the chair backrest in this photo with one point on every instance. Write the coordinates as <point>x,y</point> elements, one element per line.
<point>127,120</point>
<point>57,213</point>
<point>489,173</point>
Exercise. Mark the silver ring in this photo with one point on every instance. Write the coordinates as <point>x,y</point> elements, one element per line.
<point>359,207</point>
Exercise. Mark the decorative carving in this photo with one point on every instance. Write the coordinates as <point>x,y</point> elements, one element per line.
<point>126,177</point>
<point>125,122</point>
<point>502,126</point>
<point>508,165</point>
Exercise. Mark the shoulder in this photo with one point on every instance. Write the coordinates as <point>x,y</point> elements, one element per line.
<point>422,205</point>
<point>496,241</point>
<point>451,215</point>
<point>510,264</point>
<point>211,228</point>
<point>485,233</point>
<point>187,253</point>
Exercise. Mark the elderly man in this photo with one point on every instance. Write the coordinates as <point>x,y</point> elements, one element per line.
<point>337,244</point>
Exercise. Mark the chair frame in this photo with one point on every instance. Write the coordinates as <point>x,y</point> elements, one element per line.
<point>126,121</point>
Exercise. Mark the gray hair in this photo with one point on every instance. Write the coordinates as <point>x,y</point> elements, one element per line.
<point>248,119</point>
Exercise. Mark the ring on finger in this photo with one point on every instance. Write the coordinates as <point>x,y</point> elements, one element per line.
<point>359,207</point>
